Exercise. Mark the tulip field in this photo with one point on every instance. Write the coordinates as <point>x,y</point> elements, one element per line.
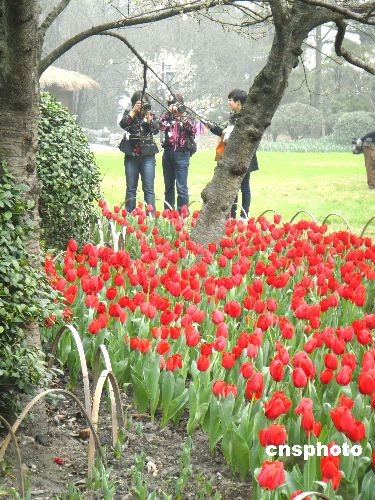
<point>265,340</point>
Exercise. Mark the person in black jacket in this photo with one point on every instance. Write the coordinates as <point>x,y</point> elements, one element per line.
<point>179,144</point>
<point>236,99</point>
<point>366,145</point>
<point>139,147</point>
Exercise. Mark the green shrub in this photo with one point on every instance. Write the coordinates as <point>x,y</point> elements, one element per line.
<point>297,120</point>
<point>68,174</point>
<point>323,145</point>
<point>24,295</point>
<point>351,125</point>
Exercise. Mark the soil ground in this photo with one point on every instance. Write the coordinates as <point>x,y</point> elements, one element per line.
<point>150,467</point>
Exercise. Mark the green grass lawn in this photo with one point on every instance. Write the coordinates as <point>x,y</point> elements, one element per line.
<point>321,183</point>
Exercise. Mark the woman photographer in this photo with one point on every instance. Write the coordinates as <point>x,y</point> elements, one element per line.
<point>179,144</point>
<point>139,147</point>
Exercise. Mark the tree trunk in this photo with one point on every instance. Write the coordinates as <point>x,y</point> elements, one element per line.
<point>262,101</point>
<point>19,107</point>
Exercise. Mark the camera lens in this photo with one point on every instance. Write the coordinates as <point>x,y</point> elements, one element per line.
<point>146,106</point>
<point>181,108</point>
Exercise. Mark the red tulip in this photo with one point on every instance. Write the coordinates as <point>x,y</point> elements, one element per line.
<point>233,308</point>
<point>163,347</point>
<point>277,405</point>
<point>326,376</point>
<point>247,369</point>
<point>276,370</point>
<point>217,316</point>
<point>366,382</point>
<point>254,386</point>
<point>331,361</point>
<point>305,405</point>
<point>330,471</point>
<point>271,475</point>
<point>357,432</point>
<point>203,363</point>
<point>299,377</point>
<point>342,418</point>
<point>274,434</point>
<point>227,360</point>
<point>344,376</point>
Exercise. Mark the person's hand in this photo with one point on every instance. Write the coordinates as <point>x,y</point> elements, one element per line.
<point>172,108</point>
<point>181,118</point>
<point>148,117</point>
<point>136,109</point>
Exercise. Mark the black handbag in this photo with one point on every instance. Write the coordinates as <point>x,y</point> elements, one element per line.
<point>148,148</point>
<point>122,145</point>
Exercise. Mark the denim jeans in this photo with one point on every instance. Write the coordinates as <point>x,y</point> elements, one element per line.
<point>175,172</point>
<point>246,198</point>
<point>136,166</point>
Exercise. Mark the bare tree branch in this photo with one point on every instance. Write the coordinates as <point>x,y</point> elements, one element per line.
<point>242,24</point>
<point>341,51</point>
<point>140,59</point>
<point>144,18</point>
<point>55,12</point>
<point>363,13</point>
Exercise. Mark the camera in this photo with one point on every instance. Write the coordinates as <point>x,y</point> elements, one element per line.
<point>146,107</point>
<point>357,146</point>
<point>181,108</point>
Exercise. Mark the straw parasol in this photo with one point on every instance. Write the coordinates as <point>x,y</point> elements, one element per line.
<point>70,81</point>
<point>64,84</point>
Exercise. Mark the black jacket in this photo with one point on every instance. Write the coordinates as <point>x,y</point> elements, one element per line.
<point>366,140</point>
<point>369,138</point>
<point>218,130</point>
<point>138,138</point>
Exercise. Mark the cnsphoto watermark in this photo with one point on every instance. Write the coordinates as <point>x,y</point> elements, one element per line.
<point>313,450</point>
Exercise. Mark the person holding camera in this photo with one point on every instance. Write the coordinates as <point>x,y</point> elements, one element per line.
<point>236,99</point>
<point>366,145</point>
<point>179,144</point>
<point>138,144</point>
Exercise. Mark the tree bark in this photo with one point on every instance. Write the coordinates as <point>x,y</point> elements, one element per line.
<point>262,101</point>
<point>19,108</point>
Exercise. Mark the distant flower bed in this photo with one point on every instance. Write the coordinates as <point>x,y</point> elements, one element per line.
<point>265,339</point>
<point>324,145</point>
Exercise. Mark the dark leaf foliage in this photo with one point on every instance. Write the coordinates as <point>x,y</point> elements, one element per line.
<point>24,295</point>
<point>69,177</point>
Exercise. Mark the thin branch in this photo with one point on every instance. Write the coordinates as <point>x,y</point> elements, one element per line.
<point>363,13</point>
<point>146,67</point>
<point>140,59</point>
<point>326,56</point>
<point>342,52</point>
<point>55,12</point>
<point>151,16</point>
<point>242,24</point>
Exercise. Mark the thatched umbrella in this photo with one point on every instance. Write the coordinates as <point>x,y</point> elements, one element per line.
<point>63,83</point>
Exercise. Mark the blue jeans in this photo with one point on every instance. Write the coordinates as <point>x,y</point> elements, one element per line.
<point>246,198</point>
<point>145,167</point>
<point>175,172</point>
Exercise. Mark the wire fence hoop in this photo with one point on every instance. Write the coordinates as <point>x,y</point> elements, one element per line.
<point>367,225</point>
<point>82,357</point>
<point>18,453</point>
<point>340,217</point>
<point>303,212</point>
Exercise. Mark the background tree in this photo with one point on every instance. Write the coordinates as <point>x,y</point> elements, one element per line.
<point>293,21</point>
<point>297,120</point>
